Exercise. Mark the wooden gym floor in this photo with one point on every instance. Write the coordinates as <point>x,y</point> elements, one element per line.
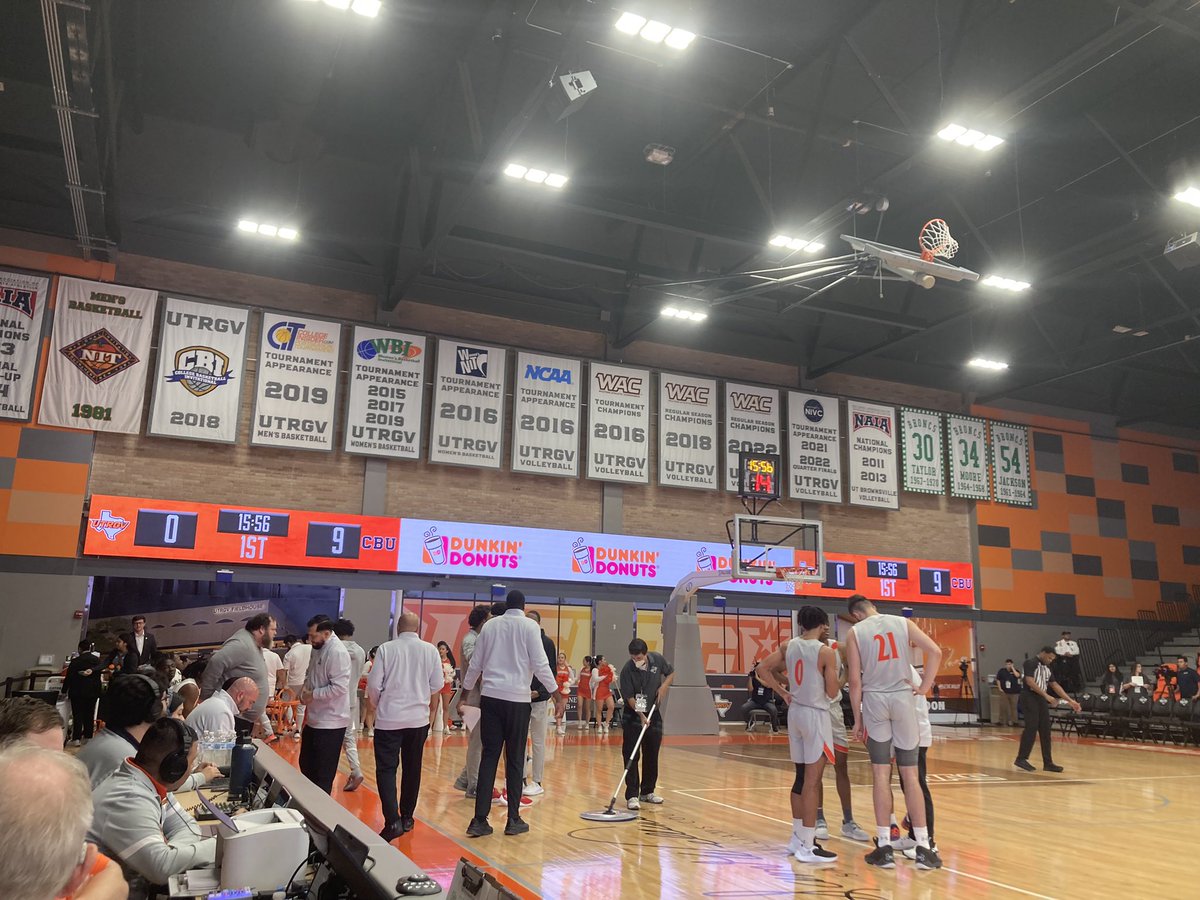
<point>1120,822</point>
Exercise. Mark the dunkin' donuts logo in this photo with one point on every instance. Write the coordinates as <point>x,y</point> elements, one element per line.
<point>469,552</point>
<point>714,562</point>
<point>592,559</point>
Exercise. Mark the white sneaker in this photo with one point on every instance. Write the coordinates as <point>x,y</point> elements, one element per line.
<point>814,854</point>
<point>793,844</point>
<point>903,843</point>
<point>853,832</point>
<point>822,831</point>
<point>911,852</point>
<point>633,803</point>
<point>651,798</point>
<point>295,735</point>
<point>533,789</point>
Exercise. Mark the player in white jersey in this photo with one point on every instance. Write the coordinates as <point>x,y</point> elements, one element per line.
<point>926,741</point>
<point>841,758</point>
<point>811,671</point>
<point>881,696</point>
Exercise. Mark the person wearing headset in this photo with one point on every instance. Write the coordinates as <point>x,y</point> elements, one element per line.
<point>139,823</point>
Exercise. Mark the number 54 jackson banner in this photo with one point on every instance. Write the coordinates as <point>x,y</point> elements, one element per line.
<point>23,300</point>
<point>96,377</point>
<point>1010,464</point>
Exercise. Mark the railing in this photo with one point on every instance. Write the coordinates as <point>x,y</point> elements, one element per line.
<point>1090,660</point>
<point>21,683</point>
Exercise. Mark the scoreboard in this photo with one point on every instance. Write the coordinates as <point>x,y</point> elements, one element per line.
<point>895,579</point>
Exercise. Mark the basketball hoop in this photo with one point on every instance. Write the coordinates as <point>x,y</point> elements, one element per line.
<point>797,573</point>
<point>936,240</point>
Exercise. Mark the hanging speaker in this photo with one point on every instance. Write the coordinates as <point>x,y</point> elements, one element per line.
<point>569,93</point>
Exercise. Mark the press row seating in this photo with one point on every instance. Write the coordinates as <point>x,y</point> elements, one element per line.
<point>1137,717</point>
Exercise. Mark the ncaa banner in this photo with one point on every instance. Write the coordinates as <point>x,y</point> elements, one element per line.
<point>386,394</point>
<point>687,432</point>
<point>295,395</point>
<point>966,446</point>
<point>751,424</point>
<point>468,404</point>
<point>872,455</point>
<point>921,450</point>
<point>23,301</point>
<point>814,448</point>
<point>201,359</point>
<point>545,426</point>
<point>618,424</point>
<point>1010,464</point>
<point>96,377</point>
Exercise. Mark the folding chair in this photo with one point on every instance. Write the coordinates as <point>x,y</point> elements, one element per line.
<point>1181,715</point>
<point>1160,718</point>
<point>1101,715</point>
<point>1139,716</point>
<point>1120,717</point>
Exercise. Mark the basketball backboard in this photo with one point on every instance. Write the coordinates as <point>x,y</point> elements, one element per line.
<point>908,265</point>
<point>776,548</point>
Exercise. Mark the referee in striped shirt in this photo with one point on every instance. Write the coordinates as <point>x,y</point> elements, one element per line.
<point>1035,704</point>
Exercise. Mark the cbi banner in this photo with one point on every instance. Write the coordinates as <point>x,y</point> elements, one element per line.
<point>23,300</point>
<point>96,376</point>
<point>966,447</point>
<point>872,455</point>
<point>295,397</point>
<point>751,424</point>
<point>1010,464</point>
<point>468,405</point>
<point>618,424</point>
<point>545,426</point>
<point>386,393</point>
<point>687,432</point>
<point>921,450</point>
<point>814,448</point>
<point>201,359</point>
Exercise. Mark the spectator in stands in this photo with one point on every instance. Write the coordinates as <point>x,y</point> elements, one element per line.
<point>120,661</point>
<point>1136,685</point>
<point>241,654</point>
<point>32,720</point>
<point>761,697</point>
<point>1187,683</point>
<point>1008,680</point>
<point>1111,682</point>
<point>82,685</point>
<point>1066,651</point>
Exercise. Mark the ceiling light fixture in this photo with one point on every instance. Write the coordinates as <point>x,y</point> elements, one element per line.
<point>991,365</point>
<point>1189,195</point>
<point>536,176</point>
<point>970,137</point>
<point>1008,284</point>
<point>791,243</point>
<point>516,170</point>
<point>266,229</point>
<point>654,31</point>
<point>688,315</point>
<point>338,4</point>
<point>659,154</point>
<point>630,23</point>
<point>247,225</point>
<point>368,8</point>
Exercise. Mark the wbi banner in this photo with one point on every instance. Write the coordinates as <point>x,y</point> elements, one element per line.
<point>23,300</point>
<point>386,393</point>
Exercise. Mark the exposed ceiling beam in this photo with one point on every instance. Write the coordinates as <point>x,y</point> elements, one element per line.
<point>880,85</point>
<point>1154,14</point>
<point>752,177</point>
<point>1121,152</point>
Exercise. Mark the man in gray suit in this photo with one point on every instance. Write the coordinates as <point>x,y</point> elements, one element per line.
<point>241,656</point>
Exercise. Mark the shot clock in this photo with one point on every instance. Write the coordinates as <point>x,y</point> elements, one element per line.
<point>758,475</point>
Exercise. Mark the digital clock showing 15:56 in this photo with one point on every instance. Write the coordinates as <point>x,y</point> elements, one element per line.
<point>887,568</point>
<point>758,475</point>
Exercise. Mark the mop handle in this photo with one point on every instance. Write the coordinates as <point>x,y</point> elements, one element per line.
<point>649,716</point>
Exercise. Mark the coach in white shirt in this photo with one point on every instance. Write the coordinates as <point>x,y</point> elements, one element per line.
<point>508,656</point>
<point>326,697</point>
<point>217,713</point>
<point>406,675</point>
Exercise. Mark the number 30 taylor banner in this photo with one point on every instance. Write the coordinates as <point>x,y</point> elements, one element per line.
<point>96,377</point>
<point>23,300</point>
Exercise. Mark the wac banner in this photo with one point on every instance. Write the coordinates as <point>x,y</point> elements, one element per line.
<point>872,455</point>
<point>96,377</point>
<point>966,447</point>
<point>201,361</point>
<point>921,450</point>
<point>1010,464</point>
<point>687,431</point>
<point>468,404</point>
<point>23,300</point>
<point>297,382</point>
<point>751,424</point>
<point>386,394</point>
<point>546,415</point>
<point>618,424</point>
<point>814,448</point>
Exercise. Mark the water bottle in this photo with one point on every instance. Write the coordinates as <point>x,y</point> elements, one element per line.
<point>241,767</point>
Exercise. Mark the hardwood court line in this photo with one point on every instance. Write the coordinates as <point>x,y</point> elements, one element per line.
<point>941,784</point>
<point>959,872</point>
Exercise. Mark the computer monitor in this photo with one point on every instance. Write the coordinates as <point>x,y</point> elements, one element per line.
<point>347,857</point>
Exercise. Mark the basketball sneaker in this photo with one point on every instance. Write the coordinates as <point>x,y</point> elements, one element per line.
<point>927,858</point>
<point>881,857</point>
<point>894,834</point>
<point>793,844</point>
<point>822,829</point>
<point>903,843</point>
<point>853,832</point>
<point>500,798</point>
<point>911,853</point>
<point>814,854</point>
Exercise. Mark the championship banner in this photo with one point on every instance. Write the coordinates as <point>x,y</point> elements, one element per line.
<point>966,446</point>
<point>545,425</point>
<point>96,376</point>
<point>23,300</point>
<point>814,448</point>
<point>386,394</point>
<point>687,432</point>
<point>872,455</point>
<point>1010,464</point>
<point>468,405</point>
<point>296,393</point>
<point>921,449</point>
<point>751,424</point>
<point>201,359</point>
<point>618,424</point>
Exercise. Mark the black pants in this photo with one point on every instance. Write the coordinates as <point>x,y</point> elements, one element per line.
<point>648,753</point>
<point>752,704</point>
<point>921,773</point>
<point>320,750</point>
<point>83,717</point>
<point>1037,723</point>
<point>404,747</point>
<point>503,725</point>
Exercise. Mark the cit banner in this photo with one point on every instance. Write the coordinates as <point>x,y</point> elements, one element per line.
<point>23,300</point>
<point>468,405</point>
<point>687,432</point>
<point>386,394</point>
<point>546,415</point>
<point>296,394</point>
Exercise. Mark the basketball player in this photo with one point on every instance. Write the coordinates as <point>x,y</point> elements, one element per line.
<point>881,696</point>
<point>811,671</point>
<point>841,757</point>
<point>926,730</point>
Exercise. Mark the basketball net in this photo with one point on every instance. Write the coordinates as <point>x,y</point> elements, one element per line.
<point>936,240</point>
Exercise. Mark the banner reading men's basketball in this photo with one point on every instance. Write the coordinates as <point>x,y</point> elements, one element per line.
<point>296,394</point>
<point>751,424</point>
<point>814,448</point>
<point>386,393</point>
<point>96,376</point>
<point>872,455</point>
<point>201,359</point>
<point>1010,464</point>
<point>687,432</point>
<point>921,450</point>
<point>468,405</point>
<point>546,415</point>
<point>619,424</point>
<point>23,300</point>
<point>966,445</point>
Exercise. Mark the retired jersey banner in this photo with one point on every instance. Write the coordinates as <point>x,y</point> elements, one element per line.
<point>751,424</point>
<point>1010,464</point>
<point>966,447</point>
<point>468,404</point>
<point>618,424</point>
<point>872,455</point>
<point>23,300</point>
<point>386,394</point>
<point>96,377</point>
<point>295,398</point>
<point>921,450</point>
<point>687,432</point>
<point>814,448</point>
<point>545,429</point>
<point>201,360</point>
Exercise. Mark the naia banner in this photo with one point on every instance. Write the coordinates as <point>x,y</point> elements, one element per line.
<point>751,424</point>
<point>545,426</point>
<point>687,432</point>
<point>1010,464</point>
<point>468,404</point>
<point>618,424</point>
<point>814,448</point>
<point>872,455</point>
<point>297,382</point>
<point>96,377</point>
<point>386,393</point>
<point>23,301</point>
<point>966,447</point>
<point>921,450</point>
<point>201,360</point>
